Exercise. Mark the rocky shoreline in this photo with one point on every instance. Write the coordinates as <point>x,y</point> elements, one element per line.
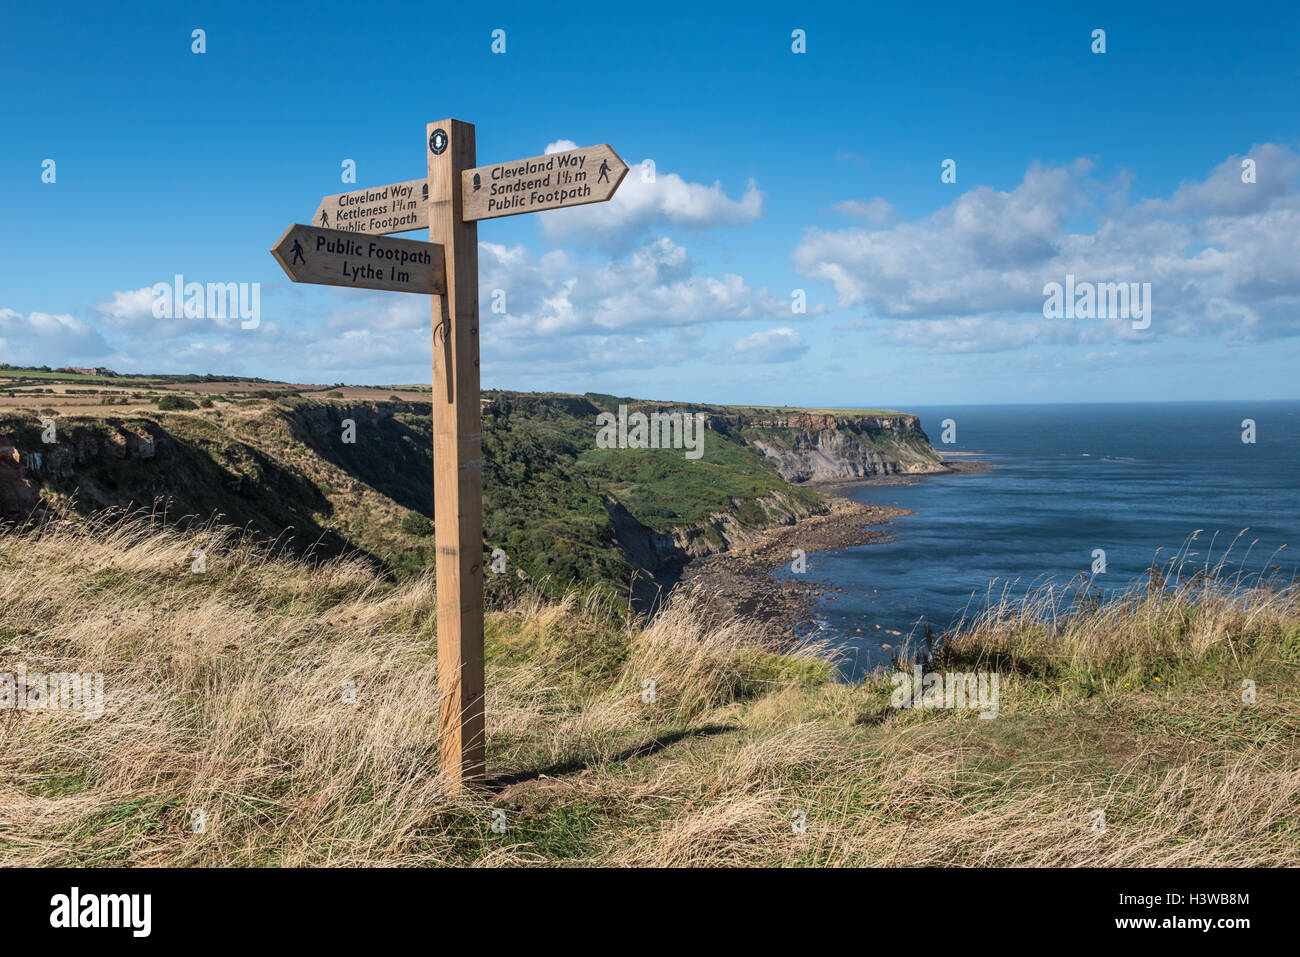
<point>951,467</point>
<point>740,580</point>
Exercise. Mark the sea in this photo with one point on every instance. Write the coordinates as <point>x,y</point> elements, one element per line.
<point>1106,491</point>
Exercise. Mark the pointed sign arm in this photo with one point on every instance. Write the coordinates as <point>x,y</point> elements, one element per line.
<point>589,174</point>
<point>336,257</point>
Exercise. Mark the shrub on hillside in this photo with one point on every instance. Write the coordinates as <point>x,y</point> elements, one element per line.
<point>416,524</point>
<point>172,403</point>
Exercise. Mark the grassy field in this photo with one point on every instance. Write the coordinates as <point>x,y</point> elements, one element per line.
<point>38,391</point>
<point>226,704</point>
<point>75,378</point>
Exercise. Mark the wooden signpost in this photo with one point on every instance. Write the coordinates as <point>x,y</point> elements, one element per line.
<point>342,247</point>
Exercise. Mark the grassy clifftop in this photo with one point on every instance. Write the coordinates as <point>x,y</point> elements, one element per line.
<point>226,701</point>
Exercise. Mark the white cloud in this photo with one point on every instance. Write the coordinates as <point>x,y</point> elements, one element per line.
<point>562,312</point>
<point>131,311</point>
<point>654,289</point>
<point>667,200</point>
<point>1222,257</point>
<point>1222,192</point>
<point>972,334</point>
<point>770,345</point>
<point>45,339</point>
<point>129,306</point>
<point>877,212</point>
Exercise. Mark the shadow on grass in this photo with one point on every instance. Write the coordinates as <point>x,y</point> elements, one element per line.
<point>645,749</point>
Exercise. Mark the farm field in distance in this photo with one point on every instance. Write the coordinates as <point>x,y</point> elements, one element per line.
<point>72,392</point>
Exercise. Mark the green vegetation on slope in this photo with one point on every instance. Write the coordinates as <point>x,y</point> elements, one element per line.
<point>281,466</point>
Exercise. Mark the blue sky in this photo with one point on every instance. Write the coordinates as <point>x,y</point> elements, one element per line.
<point>774,171</point>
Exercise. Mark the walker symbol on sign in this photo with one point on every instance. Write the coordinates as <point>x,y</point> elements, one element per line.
<point>297,252</point>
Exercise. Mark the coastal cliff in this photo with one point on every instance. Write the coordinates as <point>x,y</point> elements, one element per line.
<point>660,555</point>
<point>825,447</point>
<point>806,446</point>
<point>353,476</point>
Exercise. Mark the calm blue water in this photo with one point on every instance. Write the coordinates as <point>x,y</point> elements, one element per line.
<point>1129,479</point>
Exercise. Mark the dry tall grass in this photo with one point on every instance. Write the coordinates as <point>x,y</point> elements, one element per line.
<point>225,695</point>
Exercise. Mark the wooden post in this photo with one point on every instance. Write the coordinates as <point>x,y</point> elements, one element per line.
<point>326,253</point>
<point>457,460</point>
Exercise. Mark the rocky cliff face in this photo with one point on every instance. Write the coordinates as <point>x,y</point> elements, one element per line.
<point>654,550</point>
<point>822,447</point>
<point>187,465</point>
<point>26,462</point>
<point>660,556</point>
<point>18,494</point>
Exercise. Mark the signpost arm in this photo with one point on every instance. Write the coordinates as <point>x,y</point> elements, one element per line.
<point>457,460</point>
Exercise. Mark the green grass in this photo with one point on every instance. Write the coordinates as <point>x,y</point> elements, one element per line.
<point>76,377</point>
<point>661,487</point>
